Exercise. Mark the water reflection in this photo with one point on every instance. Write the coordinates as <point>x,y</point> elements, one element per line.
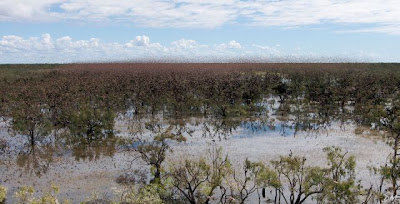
<point>91,133</point>
<point>94,133</point>
<point>37,160</point>
<point>104,146</point>
<point>219,128</point>
<point>260,129</point>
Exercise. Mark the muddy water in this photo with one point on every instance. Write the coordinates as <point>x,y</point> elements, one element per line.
<point>240,139</point>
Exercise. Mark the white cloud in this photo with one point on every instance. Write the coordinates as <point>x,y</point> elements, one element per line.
<point>384,14</point>
<point>12,43</point>
<point>45,49</point>
<point>393,29</point>
<point>68,44</point>
<point>139,41</point>
<point>16,49</point>
<point>142,41</point>
<point>231,45</point>
<point>269,49</point>
<point>234,45</point>
<point>185,44</point>
<point>46,41</point>
<point>27,10</point>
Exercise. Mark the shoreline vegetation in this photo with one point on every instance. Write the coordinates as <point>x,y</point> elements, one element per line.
<point>74,108</point>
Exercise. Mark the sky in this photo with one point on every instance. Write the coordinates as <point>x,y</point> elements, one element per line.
<point>71,31</point>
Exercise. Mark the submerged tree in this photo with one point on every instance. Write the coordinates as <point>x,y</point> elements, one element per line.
<point>386,117</point>
<point>31,121</point>
<point>190,177</point>
<point>295,182</point>
<point>242,184</point>
<point>339,184</point>
<point>282,89</point>
<point>198,179</point>
<point>92,133</point>
<point>153,152</point>
<point>301,181</point>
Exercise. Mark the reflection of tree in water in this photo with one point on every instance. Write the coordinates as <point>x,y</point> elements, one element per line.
<point>310,123</point>
<point>37,160</point>
<point>220,128</point>
<point>101,146</point>
<point>284,116</point>
<point>258,124</point>
<point>92,133</point>
<point>30,120</point>
<point>317,122</point>
<point>151,125</point>
<point>153,147</point>
<point>299,115</point>
<point>4,151</point>
<point>3,146</point>
<point>291,117</point>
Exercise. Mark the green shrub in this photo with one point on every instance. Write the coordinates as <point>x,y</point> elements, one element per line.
<point>148,194</point>
<point>3,194</point>
<point>25,196</point>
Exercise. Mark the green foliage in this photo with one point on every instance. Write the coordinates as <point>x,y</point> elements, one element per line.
<point>198,180</point>
<point>340,185</point>
<point>92,124</point>
<point>25,196</point>
<point>282,89</point>
<point>296,182</point>
<point>242,184</point>
<point>213,178</point>
<point>189,178</point>
<point>300,180</point>
<point>84,99</point>
<point>220,168</point>
<point>31,120</point>
<point>154,152</point>
<point>265,177</point>
<point>147,194</point>
<point>3,194</point>
<point>92,133</point>
<point>386,117</point>
<point>32,123</point>
<point>11,72</point>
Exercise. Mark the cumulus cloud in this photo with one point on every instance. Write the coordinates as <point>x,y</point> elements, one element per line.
<point>231,45</point>
<point>16,49</point>
<point>185,44</point>
<point>12,43</point>
<point>142,41</point>
<point>67,43</point>
<point>383,14</point>
<point>45,49</point>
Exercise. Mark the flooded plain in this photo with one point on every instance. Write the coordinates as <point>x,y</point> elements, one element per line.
<point>94,171</point>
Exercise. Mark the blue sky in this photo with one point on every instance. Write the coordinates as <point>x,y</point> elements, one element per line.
<point>63,31</point>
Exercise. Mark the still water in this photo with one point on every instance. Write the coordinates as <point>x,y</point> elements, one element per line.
<point>81,171</point>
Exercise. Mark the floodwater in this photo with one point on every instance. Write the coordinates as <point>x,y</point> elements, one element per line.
<point>253,138</point>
